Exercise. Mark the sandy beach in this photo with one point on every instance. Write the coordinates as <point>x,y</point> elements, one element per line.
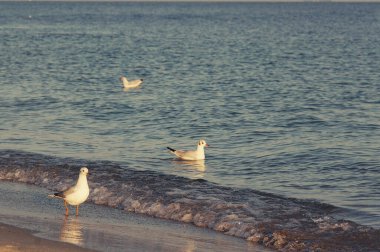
<point>30,221</point>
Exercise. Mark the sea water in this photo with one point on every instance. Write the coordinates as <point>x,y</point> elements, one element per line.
<point>286,94</point>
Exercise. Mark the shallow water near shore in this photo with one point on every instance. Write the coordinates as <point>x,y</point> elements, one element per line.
<point>285,94</point>
<point>106,229</point>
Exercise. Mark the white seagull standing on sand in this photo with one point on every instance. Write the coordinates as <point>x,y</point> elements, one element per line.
<point>198,154</point>
<point>130,84</point>
<point>77,194</point>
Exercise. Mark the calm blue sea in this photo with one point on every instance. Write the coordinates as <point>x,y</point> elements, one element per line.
<point>286,94</point>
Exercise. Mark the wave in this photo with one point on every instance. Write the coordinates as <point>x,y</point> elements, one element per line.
<point>274,221</point>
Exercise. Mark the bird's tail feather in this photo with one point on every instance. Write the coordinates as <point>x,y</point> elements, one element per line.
<point>55,195</point>
<point>172,150</point>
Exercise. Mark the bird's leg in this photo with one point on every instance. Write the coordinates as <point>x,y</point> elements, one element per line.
<point>67,209</point>
<point>77,210</point>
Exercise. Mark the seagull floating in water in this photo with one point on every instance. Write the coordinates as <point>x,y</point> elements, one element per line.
<point>198,154</point>
<point>77,194</point>
<point>130,84</point>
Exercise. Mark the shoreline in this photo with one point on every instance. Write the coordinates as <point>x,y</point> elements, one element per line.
<point>27,211</point>
<point>156,212</point>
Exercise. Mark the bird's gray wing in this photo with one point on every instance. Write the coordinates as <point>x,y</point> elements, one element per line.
<point>63,194</point>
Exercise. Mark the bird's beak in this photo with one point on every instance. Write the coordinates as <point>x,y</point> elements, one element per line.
<point>207,145</point>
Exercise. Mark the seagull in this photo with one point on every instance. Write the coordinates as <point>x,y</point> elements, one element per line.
<point>77,194</point>
<point>198,154</point>
<point>130,84</point>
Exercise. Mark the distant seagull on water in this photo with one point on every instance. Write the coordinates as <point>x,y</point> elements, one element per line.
<point>130,84</point>
<point>198,154</point>
<point>77,194</point>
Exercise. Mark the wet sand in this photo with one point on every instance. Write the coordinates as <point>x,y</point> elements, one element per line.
<point>33,222</point>
<point>14,239</point>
